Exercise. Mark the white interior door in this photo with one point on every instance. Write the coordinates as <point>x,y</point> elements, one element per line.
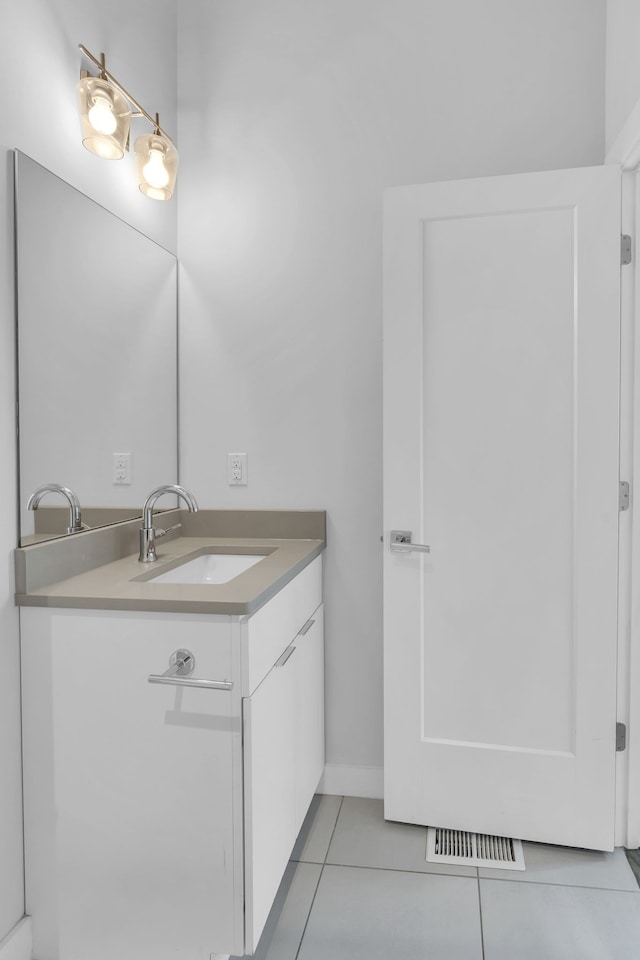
<point>501,386</point>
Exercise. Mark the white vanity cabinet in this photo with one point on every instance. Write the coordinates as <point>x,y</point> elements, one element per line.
<point>159,818</point>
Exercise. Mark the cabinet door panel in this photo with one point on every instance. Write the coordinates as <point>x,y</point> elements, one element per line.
<point>138,795</point>
<point>309,725</point>
<point>270,827</point>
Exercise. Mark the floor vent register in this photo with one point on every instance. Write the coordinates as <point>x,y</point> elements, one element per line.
<point>473,849</point>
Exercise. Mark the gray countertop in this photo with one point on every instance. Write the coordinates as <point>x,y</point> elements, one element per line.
<point>122,583</point>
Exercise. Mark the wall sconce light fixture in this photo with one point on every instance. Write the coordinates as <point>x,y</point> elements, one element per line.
<point>157,163</point>
<point>105,119</point>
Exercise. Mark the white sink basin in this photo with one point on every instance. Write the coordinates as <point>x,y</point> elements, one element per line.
<point>210,568</point>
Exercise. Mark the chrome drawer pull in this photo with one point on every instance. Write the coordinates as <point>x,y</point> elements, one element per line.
<point>306,628</point>
<point>280,662</point>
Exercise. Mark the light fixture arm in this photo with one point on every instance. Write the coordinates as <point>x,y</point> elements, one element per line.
<point>106,75</point>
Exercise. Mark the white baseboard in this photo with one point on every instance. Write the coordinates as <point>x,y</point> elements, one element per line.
<point>17,945</point>
<point>348,781</point>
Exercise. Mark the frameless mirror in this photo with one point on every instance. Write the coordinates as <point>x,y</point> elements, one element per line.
<point>97,356</point>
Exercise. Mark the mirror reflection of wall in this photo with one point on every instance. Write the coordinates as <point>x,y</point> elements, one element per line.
<point>97,355</point>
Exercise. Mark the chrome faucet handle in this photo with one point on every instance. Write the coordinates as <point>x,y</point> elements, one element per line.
<point>160,532</point>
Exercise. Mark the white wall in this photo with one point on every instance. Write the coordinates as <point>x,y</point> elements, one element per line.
<point>294,115</point>
<point>39,67</point>
<point>623,64</point>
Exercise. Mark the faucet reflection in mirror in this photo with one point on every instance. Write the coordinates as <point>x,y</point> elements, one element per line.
<point>105,118</point>
<point>75,517</point>
<point>148,534</point>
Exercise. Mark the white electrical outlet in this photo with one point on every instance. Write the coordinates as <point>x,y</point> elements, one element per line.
<point>237,470</point>
<point>122,471</point>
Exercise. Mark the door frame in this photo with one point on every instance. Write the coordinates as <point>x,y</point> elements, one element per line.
<point>625,154</point>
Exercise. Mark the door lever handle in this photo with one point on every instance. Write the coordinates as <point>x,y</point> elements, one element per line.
<point>400,542</point>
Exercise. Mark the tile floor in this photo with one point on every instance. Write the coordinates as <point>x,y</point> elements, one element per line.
<point>358,888</point>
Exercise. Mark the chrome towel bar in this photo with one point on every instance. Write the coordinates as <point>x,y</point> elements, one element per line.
<point>190,682</point>
<point>182,663</point>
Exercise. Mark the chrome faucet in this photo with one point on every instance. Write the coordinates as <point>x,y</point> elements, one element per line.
<point>75,518</point>
<point>148,534</point>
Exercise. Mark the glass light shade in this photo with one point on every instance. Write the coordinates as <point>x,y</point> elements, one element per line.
<point>105,118</point>
<point>157,163</point>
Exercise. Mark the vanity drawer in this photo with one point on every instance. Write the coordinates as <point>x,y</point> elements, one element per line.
<point>268,632</point>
